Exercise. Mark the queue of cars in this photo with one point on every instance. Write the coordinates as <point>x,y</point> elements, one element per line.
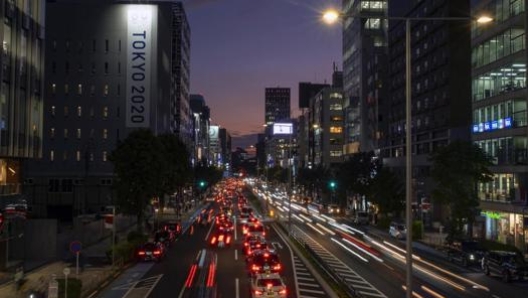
<point>156,248</point>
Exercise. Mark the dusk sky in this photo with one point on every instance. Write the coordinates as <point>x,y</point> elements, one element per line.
<point>240,47</point>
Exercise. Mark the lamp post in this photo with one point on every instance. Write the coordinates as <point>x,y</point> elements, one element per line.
<point>330,17</point>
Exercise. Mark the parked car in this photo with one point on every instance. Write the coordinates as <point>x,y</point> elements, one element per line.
<point>397,230</point>
<point>509,265</point>
<point>362,218</point>
<point>465,251</point>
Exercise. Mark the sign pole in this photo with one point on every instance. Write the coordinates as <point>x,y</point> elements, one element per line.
<point>77,264</point>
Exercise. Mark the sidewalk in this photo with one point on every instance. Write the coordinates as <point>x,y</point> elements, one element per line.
<point>96,269</point>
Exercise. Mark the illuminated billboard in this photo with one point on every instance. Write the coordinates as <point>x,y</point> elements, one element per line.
<point>282,128</point>
<point>138,64</point>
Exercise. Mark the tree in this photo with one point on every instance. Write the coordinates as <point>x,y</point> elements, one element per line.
<point>388,192</point>
<point>137,161</point>
<point>357,172</point>
<point>175,171</point>
<point>205,176</point>
<point>456,169</point>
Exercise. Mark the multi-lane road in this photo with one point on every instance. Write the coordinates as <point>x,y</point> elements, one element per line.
<point>169,277</point>
<point>368,260</point>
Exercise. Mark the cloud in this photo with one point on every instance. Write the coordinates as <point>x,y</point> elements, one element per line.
<point>243,140</point>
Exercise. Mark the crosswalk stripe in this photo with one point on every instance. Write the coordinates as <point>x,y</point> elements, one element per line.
<point>308,285</point>
<point>312,291</point>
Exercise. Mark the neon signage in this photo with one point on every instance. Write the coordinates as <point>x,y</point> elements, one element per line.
<point>492,125</point>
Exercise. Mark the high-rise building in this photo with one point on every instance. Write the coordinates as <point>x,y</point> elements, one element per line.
<point>277,109</point>
<point>441,88</point>
<point>201,116</point>
<point>364,74</point>
<point>499,105</point>
<point>107,74</point>
<point>277,105</point>
<point>22,93</point>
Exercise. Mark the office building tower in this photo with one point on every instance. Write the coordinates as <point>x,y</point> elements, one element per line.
<point>107,73</point>
<point>499,120</point>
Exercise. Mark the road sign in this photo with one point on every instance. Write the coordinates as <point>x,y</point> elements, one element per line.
<point>66,271</point>
<point>75,246</point>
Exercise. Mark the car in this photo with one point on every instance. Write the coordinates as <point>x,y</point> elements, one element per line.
<point>269,286</point>
<point>362,218</point>
<point>334,209</point>
<point>174,227</point>
<point>263,261</point>
<point>464,251</point>
<point>164,237</point>
<point>253,243</point>
<point>397,230</point>
<point>150,251</point>
<point>243,218</point>
<point>254,228</point>
<point>225,225</point>
<point>509,265</point>
<point>221,239</point>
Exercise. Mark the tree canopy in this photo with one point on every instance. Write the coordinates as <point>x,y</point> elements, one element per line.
<point>456,169</point>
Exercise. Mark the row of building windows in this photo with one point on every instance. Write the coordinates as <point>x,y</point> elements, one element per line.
<point>80,46</point>
<point>78,155</point>
<point>507,78</point>
<point>506,151</point>
<point>67,185</point>
<point>79,89</point>
<point>79,111</point>
<point>104,133</point>
<point>498,47</point>
<point>80,68</point>
<point>503,110</point>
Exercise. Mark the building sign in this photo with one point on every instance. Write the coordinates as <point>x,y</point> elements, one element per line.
<point>213,133</point>
<point>492,125</point>
<point>139,46</point>
<point>490,214</point>
<point>282,128</point>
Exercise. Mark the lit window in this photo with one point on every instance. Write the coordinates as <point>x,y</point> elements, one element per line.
<point>105,112</point>
<point>79,111</point>
<point>336,129</point>
<point>52,132</point>
<point>79,89</point>
<point>78,133</point>
<point>78,155</point>
<point>105,89</point>
<point>53,88</point>
<point>52,110</point>
<point>105,133</point>
<point>65,133</point>
<point>52,155</point>
<point>91,157</point>
<point>105,157</point>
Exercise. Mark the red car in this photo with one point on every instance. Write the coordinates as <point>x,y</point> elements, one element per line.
<point>252,243</point>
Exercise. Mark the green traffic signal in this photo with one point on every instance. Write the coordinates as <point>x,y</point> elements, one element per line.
<point>202,183</point>
<point>333,184</point>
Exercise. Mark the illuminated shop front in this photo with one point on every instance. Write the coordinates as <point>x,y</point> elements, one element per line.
<point>508,228</point>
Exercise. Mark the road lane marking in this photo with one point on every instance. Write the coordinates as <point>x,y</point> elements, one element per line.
<point>209,232</point>
<point>237,291</point>
<point>292,260</point>
<point>236,254</point>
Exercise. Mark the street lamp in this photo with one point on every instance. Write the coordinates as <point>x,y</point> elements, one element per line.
<point>330,17</point>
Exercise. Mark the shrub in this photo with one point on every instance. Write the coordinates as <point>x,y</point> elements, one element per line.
<point>74,287</point>
<point>136,237</point>
<point>493,245</point>
<point>417,230</point>
<point>383,222</point>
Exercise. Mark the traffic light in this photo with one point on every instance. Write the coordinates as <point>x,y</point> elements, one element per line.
<point>332,184</point>
<point>201,184</point>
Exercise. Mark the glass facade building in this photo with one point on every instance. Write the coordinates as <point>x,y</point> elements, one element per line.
<point>499,124</point>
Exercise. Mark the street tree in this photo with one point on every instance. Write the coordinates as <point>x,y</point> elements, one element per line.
<point>175,171</point>
<point>457,169</point>
<point>388,192</point>
<point>358,171</point>
<point>137,161</point>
